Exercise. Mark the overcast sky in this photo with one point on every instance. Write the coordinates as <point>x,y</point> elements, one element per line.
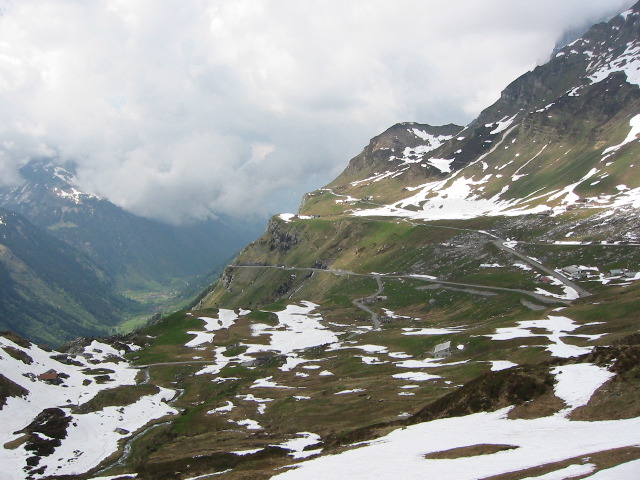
<point>182,109</point>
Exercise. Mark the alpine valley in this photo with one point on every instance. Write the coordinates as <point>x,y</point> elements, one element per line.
<point>461,302</point>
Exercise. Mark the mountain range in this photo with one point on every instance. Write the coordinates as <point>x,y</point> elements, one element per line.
<point>139,264</point>
<point>460,302</point>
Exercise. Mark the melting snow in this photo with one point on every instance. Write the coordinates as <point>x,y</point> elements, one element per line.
<point>415,376</point>
<point>497,365</point>
<point>442,164</point>
<point>633,134</point>
<point>267,383</point>
<point>626,471</point>
<point>225,408</point>
<point>288,217</point>
<point>91,437</point>
<point>571,471</point>
<point>538,441</point>
<point>577,383</point>
<point>558,328</point>
<point>297,329</point>
<point>569,293</point>
<point>354,390</point>
<point>501,125</point>
<point>628,62</point>
<point>201,337</point>
<point>298,445</point>
<point>250,424</point>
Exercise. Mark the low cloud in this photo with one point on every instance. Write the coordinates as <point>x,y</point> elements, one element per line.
<point>184,110</point>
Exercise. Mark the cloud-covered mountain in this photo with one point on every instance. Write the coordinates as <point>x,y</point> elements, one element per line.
<point>560,136</point>
<point>181,117</point>
<point>135,252</point>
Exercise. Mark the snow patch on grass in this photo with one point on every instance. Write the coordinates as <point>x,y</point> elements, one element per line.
<point>558,328</point>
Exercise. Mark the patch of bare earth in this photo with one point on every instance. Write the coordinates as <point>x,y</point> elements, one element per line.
<point>470,451</point>
<point>601,460</point>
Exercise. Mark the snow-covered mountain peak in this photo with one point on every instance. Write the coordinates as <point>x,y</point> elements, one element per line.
<point>44,175</point>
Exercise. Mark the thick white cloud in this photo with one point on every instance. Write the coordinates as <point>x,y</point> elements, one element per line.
<point>179,110</point>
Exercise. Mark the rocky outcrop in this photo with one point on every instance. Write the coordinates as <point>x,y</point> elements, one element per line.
<point>569,68</point>
<point>10,389</point>
<point>278,238</point>
<point>385,150</point>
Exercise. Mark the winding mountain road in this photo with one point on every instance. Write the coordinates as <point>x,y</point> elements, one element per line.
<point>359,303</point>
<point>502,244</point>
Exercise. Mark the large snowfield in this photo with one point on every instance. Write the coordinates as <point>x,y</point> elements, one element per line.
<point>401,454</point>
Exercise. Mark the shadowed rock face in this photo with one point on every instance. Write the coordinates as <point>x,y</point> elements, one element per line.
<point>567,69</point>
<point>280,239</point>
<point>574,117</point>
<point>10,389</point>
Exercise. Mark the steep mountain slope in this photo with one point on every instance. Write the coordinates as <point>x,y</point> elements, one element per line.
<point>397,148</point>
<point>137,253</point>
<point>50,292</point>
<point>572,122</point>
<point>459,303</point>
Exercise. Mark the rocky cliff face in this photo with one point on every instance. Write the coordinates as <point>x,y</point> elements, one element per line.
<point>605,47</point>
<point>563,132</point>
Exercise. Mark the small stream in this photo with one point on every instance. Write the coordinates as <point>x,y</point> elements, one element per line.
<point>126,449</point>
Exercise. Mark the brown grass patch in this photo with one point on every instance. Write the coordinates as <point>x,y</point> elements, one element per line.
<point>239,332</point>
<point>9,388</point>
<point>617,399</point>
<point>13,444</point>
<point>17,339</point>
<point>18,354</point>
<point>470,451</point>
<point>543,406</point>
<point>122,395</point>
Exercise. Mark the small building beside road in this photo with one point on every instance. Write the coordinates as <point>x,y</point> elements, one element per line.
<point>574,271</point>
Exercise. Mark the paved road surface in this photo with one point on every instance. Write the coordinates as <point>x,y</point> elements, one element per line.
<point>543,298</point>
